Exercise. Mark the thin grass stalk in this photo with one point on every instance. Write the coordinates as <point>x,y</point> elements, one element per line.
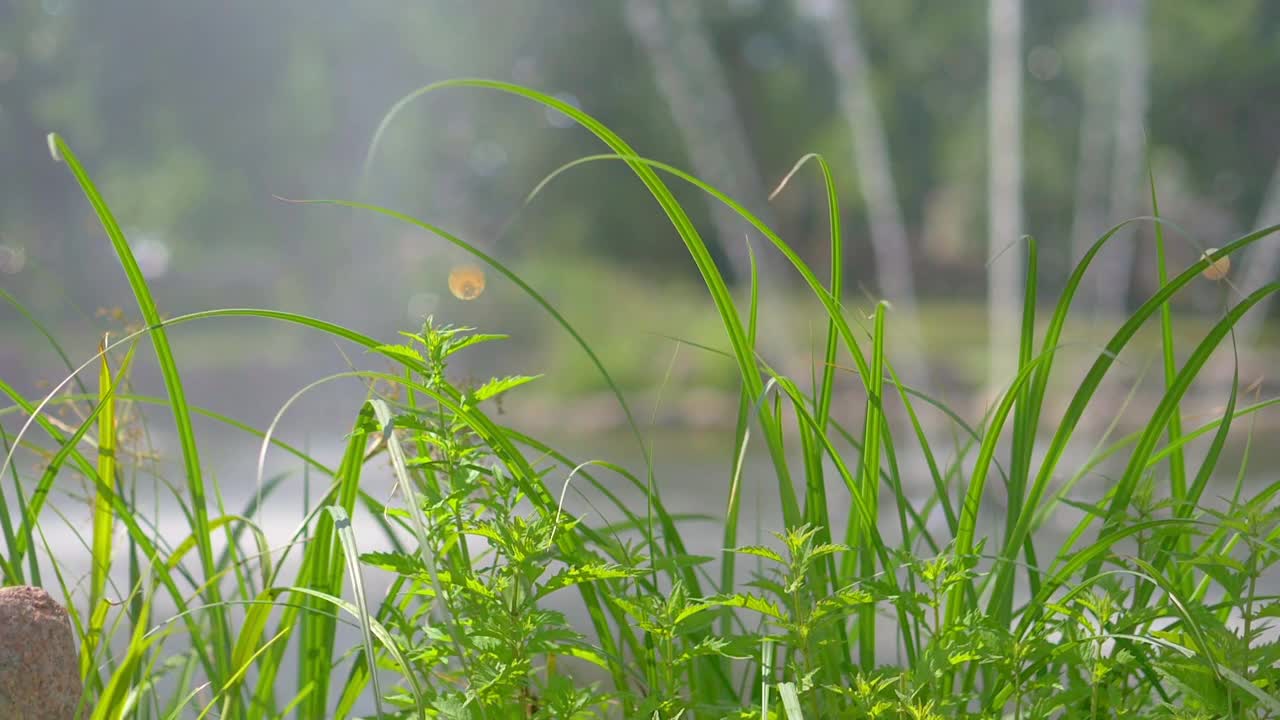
<point>741,439</point>
<point>1177,461</point>
<point>1025,431</point>
<point>826,572</point>
<point>891,479</point>
<point>342,524</point>
<point>868,484</point>
<point>359,677</point>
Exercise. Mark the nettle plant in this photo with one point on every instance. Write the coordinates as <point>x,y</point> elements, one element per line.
<point>467,612</point>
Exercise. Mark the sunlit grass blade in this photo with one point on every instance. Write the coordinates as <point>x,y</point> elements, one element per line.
<point>1177,463</point>
<point>1025,426</point>
<point>942,494</point>
<point>112,703</point>
<point>323,572</point>
<point>1186,505</point>
<point>868,484</point>
<point>342,523</point>
<point>1084,392</point>
<point>194,475</point>
<point>103,515</point>
<point>1168,406</point>
<point>741,441</point>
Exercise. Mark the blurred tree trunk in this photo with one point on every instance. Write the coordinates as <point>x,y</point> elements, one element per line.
<point>1115,274</point>
<point>1115,90</point>
<point>837,24</point>
<point>1004,208</point>
<point>690,79</point>
<point>1263,262</point>
<point>1091,167</point>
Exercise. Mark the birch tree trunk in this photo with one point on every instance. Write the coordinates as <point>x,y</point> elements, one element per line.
<point>690,79</point>
<point>1113,270</point>
<point>837,24</point>
<point>1004,203</point>
<point>1089,218</point>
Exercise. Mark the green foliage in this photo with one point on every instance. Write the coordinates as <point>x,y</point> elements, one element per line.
<point>1155,606</point>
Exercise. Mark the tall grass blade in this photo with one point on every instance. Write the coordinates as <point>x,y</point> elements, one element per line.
<point>220,631</point>
<point>1177,462</point>
<point>347,537</point>
<point>103,515</point>
<point>1168,407</point>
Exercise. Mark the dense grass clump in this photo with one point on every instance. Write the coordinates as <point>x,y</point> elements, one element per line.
<point>865,603</point>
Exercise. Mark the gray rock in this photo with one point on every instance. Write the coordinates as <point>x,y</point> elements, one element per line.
<point>39,669</point>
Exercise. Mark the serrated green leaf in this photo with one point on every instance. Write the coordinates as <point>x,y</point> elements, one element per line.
<point>760,551</point>
<point>841,601</point>
<point>470,340</point>
<point>583,573</point>
<point>827,549</point>
<point>400,351</point>
<point>749,602</point>
<point>399,563</point>
<point>689,611</point>
<point>497,386</point>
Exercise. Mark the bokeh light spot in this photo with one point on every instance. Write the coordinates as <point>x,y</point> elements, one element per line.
<point>487,158</point>
<point>557,119</point>
<point>12,259</point>
<point>466,282</point>
<point>151,253</point>
<point>1217,269</point>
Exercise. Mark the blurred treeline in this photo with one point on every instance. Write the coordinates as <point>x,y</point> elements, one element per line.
<point>192,115</point>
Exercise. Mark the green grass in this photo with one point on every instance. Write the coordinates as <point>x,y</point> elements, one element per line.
<point>865,602</point>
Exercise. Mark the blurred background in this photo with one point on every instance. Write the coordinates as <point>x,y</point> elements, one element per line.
<point>951,128</point>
